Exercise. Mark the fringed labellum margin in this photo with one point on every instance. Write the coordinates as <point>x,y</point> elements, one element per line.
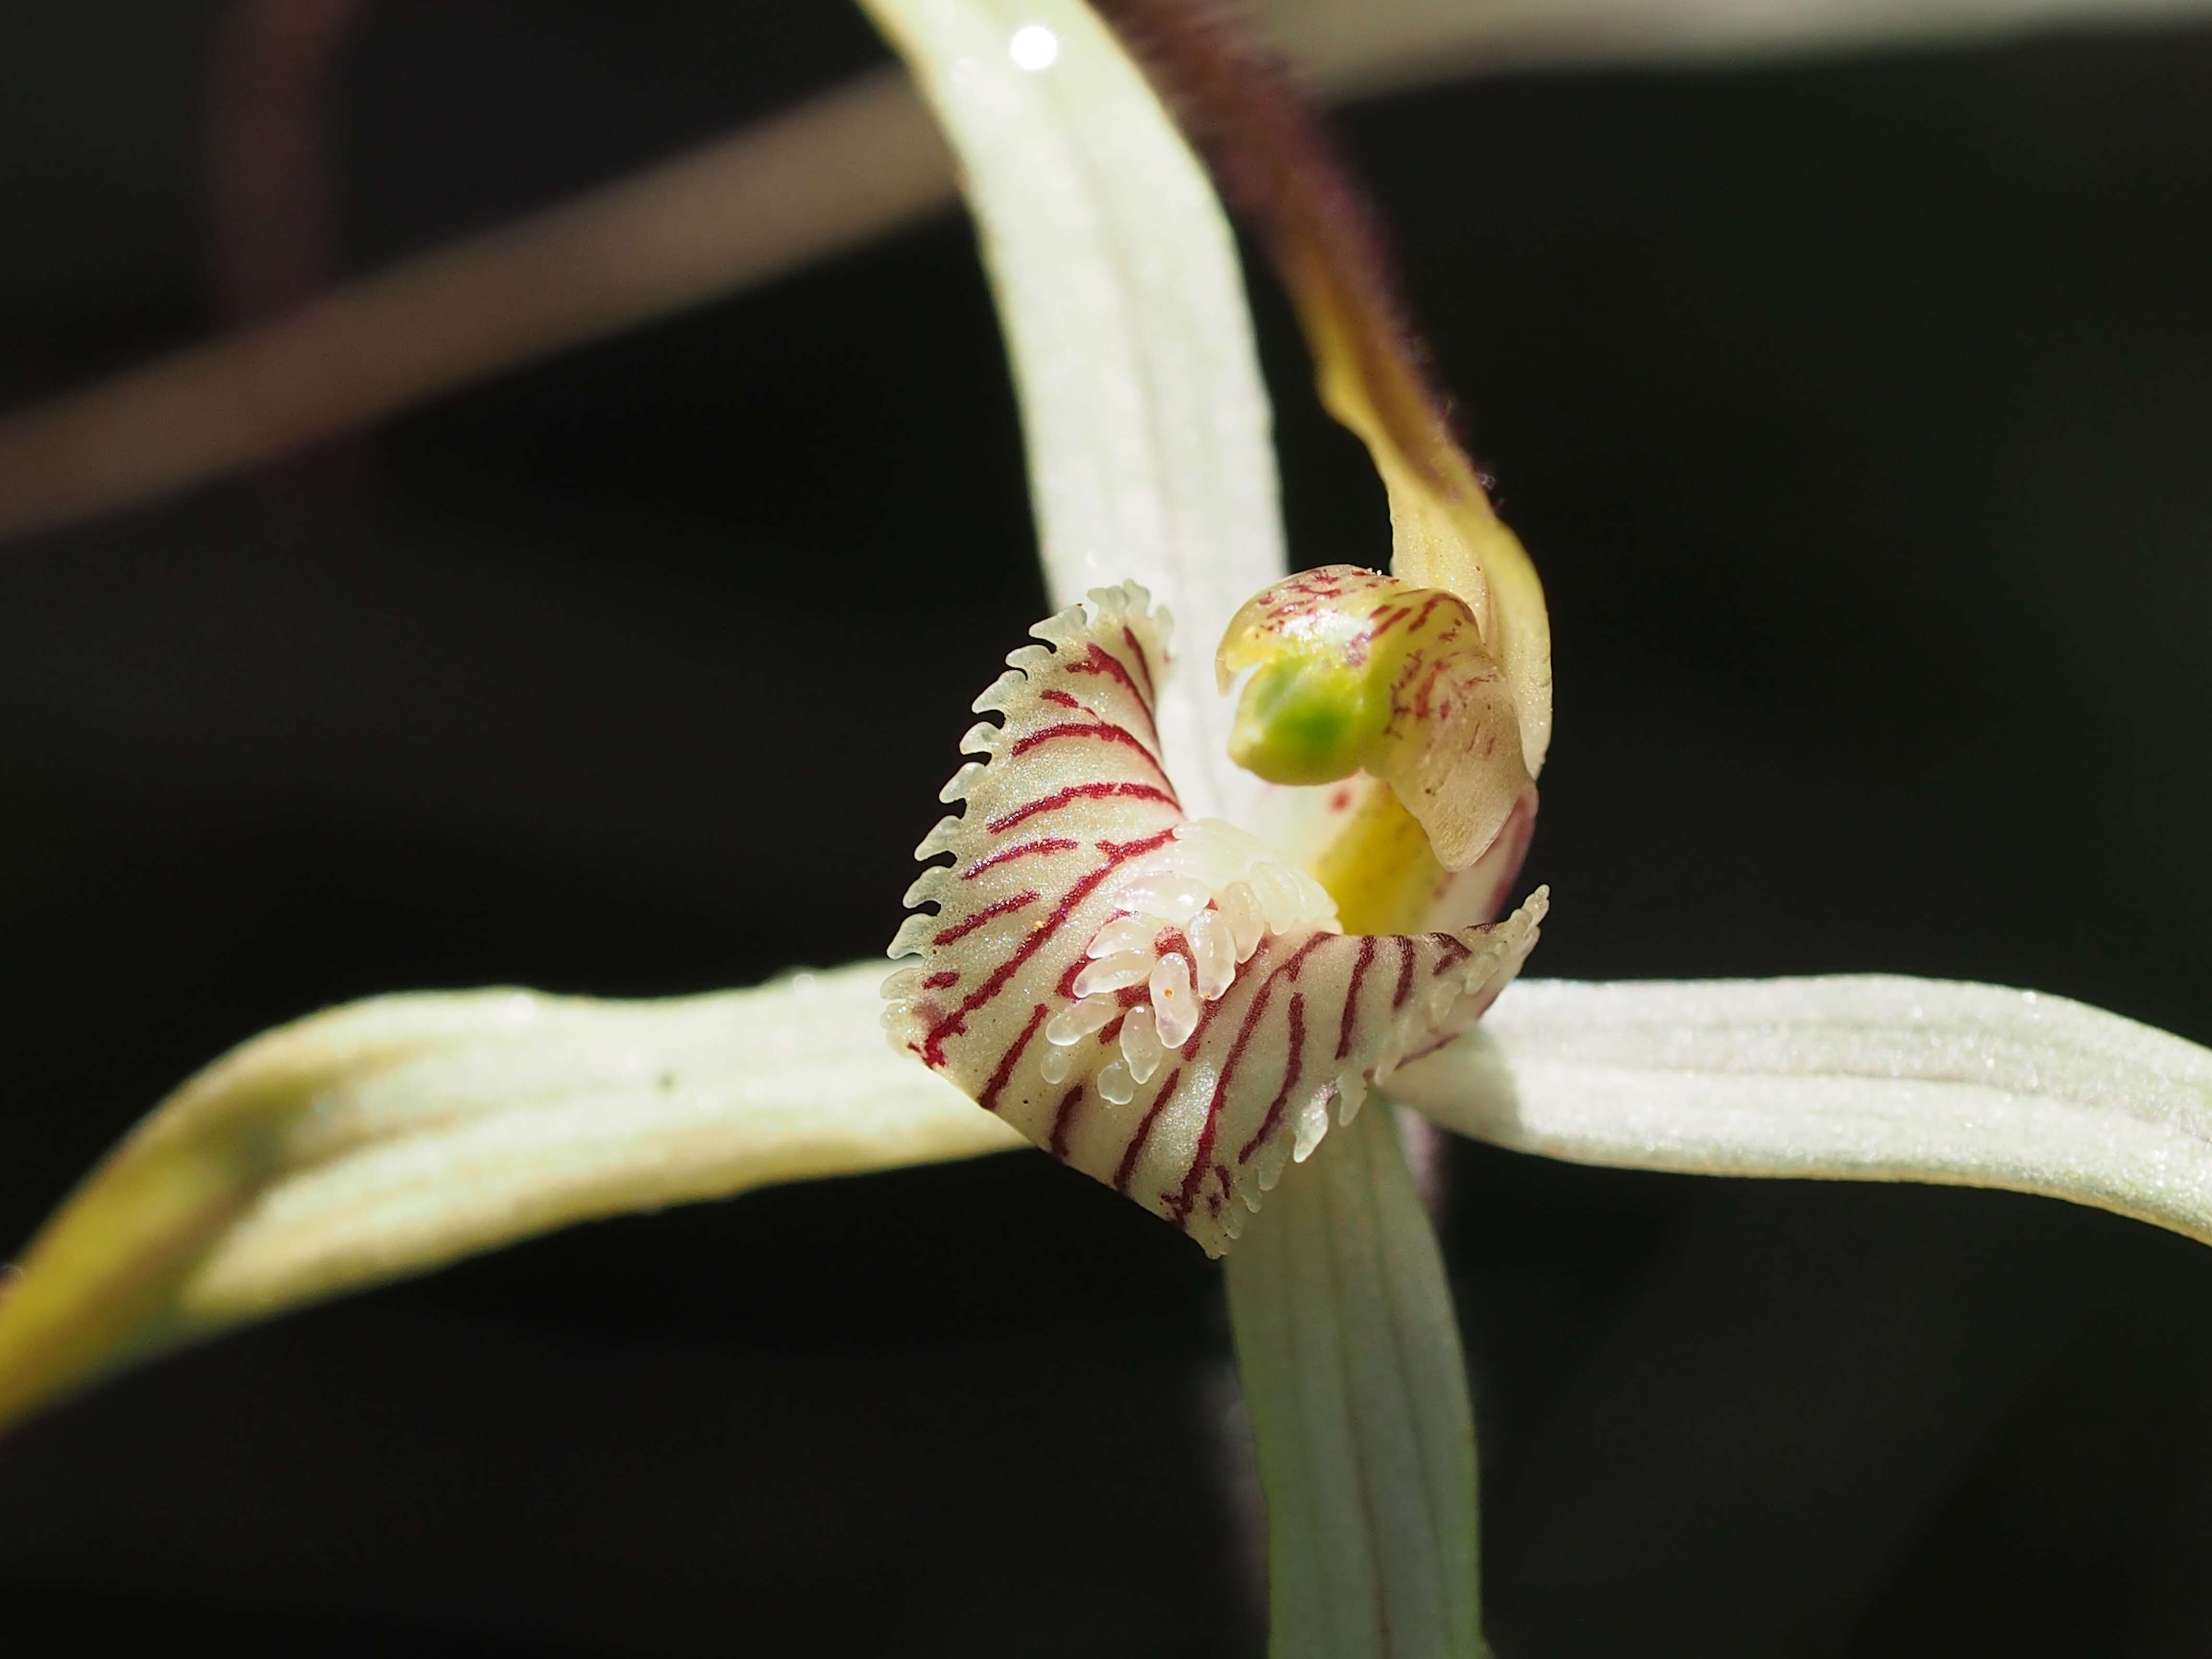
<point>1162,1002</point>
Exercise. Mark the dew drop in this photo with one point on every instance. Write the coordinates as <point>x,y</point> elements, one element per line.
<point>1033,47</point>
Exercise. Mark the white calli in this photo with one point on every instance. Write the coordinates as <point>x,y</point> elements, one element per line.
<point>1169,1004</point>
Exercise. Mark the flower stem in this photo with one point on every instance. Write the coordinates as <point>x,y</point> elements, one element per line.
<point>1352,1368</point>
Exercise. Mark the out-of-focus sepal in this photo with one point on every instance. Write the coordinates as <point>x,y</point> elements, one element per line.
<point>391,1136</point>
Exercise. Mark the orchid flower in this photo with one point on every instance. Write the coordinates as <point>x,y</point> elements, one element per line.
<point>1193,944</point>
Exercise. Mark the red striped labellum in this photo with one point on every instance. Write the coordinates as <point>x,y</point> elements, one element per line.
<point>1166,1003</point>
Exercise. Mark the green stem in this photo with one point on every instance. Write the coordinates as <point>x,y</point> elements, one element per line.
<point>1352,1368</point>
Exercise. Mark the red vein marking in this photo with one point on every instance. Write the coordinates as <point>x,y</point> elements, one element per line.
<point>1405,974</point>
<point>1102,661</point>
<point>1385,619</point>
<point>1313,941</point>
<point>1420,621</point>
<point>1065,989</point>
<point>1117,854</point>
<point>1424,708</point>
<point>1189,1049</point>
<point>1367,944</point>
<point>1144,1129</point>
<point>960,930</point>
<point>988,1100</point>
<point>1111,1030</point>
<point>1253,1010</point>
<point>1008,854</point>
<point>1455,951</point>
<point>1408,671</point>
<point>1180,1204</point>
<point>1290,1080</point>
<point>1059,699</point>
<point>1061,1121</point>
<point>1058,798</point>
<point>1143,664</point>
<point>1104,730</point>
<point>937,981</point>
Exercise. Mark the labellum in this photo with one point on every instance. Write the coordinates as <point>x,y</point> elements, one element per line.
<point>1164,1002</point>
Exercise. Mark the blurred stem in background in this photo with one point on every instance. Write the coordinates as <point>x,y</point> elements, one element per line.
<point>831,174</point>
<point>271,201</point>
<point>272,229</point>
<point>1522,1122</point>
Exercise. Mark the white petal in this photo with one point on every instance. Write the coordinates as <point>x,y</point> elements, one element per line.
<point>1862,1077</point>
<point>1350,1363</point>
<point>393,1135</point>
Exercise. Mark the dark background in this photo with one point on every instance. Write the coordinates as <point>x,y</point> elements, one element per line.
<point>1857,414</point>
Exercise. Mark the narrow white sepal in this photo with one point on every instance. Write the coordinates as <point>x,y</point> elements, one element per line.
<point>1146,421</point>
<point>1864,1077</point>
<point>1351,1361</point>
<point>394,1135</point>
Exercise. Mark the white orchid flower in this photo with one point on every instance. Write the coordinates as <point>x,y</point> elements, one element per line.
<point>1175,974</point>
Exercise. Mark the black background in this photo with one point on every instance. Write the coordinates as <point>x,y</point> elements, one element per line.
<point>1857,415</point>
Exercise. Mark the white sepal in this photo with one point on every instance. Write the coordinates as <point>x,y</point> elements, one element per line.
<point>1863,1077</point>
